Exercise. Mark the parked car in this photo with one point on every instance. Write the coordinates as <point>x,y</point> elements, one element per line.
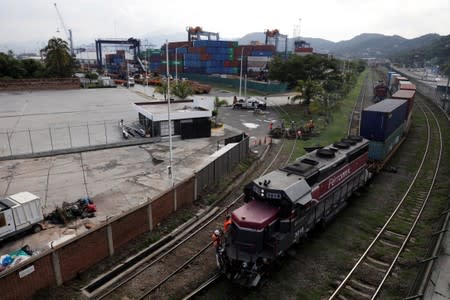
<point>250,103</point>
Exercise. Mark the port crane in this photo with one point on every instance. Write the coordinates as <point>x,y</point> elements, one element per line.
<point>195,34</point>
<point>68,33</point>
<point>274,36</point>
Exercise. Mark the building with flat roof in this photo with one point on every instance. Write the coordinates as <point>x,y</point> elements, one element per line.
<point>189,118</point>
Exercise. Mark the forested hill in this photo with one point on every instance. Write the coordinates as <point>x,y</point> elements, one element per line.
<point>361,46</point>
<point>434,53</point>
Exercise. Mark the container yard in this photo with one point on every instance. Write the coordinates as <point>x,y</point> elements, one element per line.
<point>208,57</point>
<point>194,56</point>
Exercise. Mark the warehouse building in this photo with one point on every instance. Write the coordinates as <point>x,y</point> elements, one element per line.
<point>190,118</point>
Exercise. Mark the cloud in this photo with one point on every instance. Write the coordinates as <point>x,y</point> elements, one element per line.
<point>35,21</point>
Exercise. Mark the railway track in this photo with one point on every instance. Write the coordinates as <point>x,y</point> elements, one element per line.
<point>179,265</point>
<point>371,271</point>
<point>365,99</point>
<point>275,162</point>
<point>355,117</point>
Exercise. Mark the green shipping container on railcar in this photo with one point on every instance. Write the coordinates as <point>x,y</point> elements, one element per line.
<point>378,151</point>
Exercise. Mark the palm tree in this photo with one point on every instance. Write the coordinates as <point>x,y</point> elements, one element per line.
<point>58,61</point>
<point>182,89</point>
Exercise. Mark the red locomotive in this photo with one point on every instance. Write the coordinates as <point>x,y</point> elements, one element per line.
<point>285,204</point>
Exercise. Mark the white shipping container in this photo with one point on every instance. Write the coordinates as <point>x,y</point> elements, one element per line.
<point>19,212</point>
<point>259,58</point>
<point>28,210</point>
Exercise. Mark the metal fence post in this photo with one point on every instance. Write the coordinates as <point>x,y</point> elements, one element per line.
<point>31,142</point>
<point>106,135</point>
<point>70,136</point>
<point>51,139</point>
<point>9,142</point>
<point>89,137</point>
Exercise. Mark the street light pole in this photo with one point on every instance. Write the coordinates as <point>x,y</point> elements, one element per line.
<point>176,65</point>
<point>168,116</point>
<point>240,77</point>
<point>146,67</point>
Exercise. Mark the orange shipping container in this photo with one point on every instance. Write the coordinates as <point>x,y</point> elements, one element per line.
<point>405,95</point>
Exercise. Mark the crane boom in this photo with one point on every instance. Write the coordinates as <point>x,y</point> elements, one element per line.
<point>68,32</point>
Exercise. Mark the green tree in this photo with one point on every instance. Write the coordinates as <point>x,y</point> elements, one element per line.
<point>91,75</point>
<point>10,67</point>
<point>33,68</point>
<point>297,67</point>
<point>182,89</point>
<point>308,90</point>
<point>59,62</point>
<point>162,89</point>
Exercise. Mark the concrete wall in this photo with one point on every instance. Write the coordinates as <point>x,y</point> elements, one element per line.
<point>14,287</point>
<point>39,84</point>
<point>64,262</point>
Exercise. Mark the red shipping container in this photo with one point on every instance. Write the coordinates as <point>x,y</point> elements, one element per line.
<point>174,45</point>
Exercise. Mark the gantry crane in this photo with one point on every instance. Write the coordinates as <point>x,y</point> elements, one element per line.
<point>67,31</point>
<point>274,36</point>
<point>194,33</point>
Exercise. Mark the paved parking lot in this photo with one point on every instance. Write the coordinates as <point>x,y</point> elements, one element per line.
<point>116,179</point>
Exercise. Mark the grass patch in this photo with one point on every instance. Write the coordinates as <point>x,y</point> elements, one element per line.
<point>327,132</point>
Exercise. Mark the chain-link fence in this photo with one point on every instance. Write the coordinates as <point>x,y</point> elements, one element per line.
<point>60,137</point>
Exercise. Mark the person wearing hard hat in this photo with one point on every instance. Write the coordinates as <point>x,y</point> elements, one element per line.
<point>215,237</point>
<point>227,223</point>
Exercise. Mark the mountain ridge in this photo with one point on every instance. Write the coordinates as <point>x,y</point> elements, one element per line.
<point>363,45</point>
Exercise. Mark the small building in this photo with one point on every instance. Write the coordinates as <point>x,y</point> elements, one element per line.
<point>190,118</point>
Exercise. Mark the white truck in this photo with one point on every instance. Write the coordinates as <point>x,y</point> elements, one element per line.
<point>250,103</point>
<point>20,212</point>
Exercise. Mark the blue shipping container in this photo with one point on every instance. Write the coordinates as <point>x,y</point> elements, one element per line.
<point>390,73</point>
<point>378,151</point>
<point>380,120</point>
<point>262,53</point>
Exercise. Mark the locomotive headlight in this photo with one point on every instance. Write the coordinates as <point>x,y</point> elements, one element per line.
<point>262,192</point>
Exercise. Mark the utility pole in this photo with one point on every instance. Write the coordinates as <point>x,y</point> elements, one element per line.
<point>240,77</point>
<point>168,116</point>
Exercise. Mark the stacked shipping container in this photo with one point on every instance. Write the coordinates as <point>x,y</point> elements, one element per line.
<point>210,57</point>
<point>390,117</point>
<point>116,61</point>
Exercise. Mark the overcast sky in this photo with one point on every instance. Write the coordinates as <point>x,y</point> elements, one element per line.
<point>33,22</point>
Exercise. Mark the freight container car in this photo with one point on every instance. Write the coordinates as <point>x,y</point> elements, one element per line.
<point>396,84</point>
<point>380,120</point>
<point>379,151</point>
<point>390,76</point>
<point>407,85</point>
<point>407,95</point>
